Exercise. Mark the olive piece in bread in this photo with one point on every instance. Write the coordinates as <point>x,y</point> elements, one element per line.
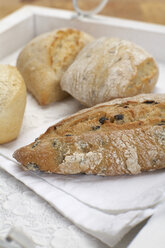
<point>130,145</point>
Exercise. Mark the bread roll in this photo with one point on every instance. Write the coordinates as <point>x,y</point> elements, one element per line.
<point>110,68</point>
<point>12,102</point>
<point>43,61</point>
<point>124,136</point>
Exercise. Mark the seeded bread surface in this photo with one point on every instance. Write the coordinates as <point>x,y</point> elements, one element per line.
<point>43,61</point>
<point>124,136</point>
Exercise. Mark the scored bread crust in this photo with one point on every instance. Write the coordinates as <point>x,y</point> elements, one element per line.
<point>110,68</point>
<point>124,136</point>
<point>12,102</point>
<point>43,61</point>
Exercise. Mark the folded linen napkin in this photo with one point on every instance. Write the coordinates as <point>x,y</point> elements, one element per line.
<point>108,228</point>
<point>152,235</point>
<point>105,207</point>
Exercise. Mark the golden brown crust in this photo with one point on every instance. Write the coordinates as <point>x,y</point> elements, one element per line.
<point>43,61</point>
<point>124,136</point>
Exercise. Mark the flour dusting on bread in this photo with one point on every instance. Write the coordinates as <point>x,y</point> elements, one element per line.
<point>108,68</point>
<point>125,136</point>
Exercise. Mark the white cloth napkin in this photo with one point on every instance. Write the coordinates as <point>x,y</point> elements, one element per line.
<point>152,235</point>
<point>105,207</point>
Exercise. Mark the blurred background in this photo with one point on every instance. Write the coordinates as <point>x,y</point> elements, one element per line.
<point>142,10</point>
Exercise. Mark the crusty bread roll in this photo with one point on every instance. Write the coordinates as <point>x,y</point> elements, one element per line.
<point>44,60</point>
<point>124,136</point>
<point>110,68</point>
<point>12,102</point>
